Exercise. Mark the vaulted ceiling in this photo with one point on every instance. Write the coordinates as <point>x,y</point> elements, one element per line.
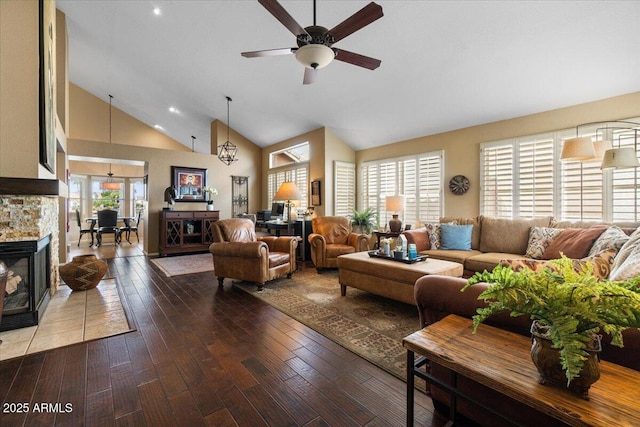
<point>445,64</point>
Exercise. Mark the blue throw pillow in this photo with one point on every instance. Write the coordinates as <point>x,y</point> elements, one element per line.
<point>455,237</point>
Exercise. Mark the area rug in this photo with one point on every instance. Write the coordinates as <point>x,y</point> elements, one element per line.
<point>184,264</point>
<point>71,318</point>
<point>366,324</point>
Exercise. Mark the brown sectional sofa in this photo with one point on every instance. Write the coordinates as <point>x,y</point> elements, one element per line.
<point>493,240</point>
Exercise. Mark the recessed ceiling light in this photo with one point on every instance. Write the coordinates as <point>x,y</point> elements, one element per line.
<point>156,11</point>
<point>173,110</point>
<point>158,127</point>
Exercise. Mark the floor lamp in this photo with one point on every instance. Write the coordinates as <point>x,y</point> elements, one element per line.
<point>288,192</point>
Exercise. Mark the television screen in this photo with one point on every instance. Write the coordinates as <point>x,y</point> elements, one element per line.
<point>277,210</point>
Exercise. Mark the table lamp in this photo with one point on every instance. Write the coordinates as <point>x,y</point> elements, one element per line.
<point>288,192</point>
<point>395,204</point>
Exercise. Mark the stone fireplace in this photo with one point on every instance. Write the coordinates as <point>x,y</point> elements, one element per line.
<point>29,247</point>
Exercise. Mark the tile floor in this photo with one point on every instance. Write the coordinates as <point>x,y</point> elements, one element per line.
<point>70,317</point>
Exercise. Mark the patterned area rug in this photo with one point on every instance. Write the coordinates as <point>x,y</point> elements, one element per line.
<point>366,324</point>
<point>185,264</point>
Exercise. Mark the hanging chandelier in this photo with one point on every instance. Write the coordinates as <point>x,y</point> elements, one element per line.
<point>110,184</point>
<point>228,151</point>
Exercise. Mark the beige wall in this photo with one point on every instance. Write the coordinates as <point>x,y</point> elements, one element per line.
<point>334,149</point>
<point>19,107</point>
<point>462,147</point>
<point>249,163</point>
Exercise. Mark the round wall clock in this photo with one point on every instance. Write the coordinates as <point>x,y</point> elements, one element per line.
<point>459,184</point>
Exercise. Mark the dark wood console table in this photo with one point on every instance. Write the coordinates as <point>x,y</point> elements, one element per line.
<point>506,367</point>
<point>186,231</point>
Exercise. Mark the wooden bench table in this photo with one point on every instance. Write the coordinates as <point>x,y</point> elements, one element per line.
<point>501,360</point>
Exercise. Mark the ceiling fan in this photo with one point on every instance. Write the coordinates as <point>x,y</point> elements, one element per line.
<point>315,43</point>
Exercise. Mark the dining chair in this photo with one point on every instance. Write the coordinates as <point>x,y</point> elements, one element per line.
<point>129,227</point>
<point>91,230</point>
<point>108,224</point>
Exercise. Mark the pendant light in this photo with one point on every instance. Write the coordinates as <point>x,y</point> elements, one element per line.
<point>110,184</point>
<point>193,142</point>
<point>227,152</point>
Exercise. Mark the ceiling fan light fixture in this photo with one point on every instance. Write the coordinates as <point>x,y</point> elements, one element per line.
<point>315,56</point>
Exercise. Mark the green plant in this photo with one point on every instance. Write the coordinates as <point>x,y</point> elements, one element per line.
<point>365,219</point>
<point>572,304</point>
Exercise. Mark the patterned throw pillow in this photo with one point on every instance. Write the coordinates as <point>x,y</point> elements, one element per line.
<point>627,263</point>
<point>612,238</point>
<point>433,231</point>
<point>602,264</point>
<point>539,239</point>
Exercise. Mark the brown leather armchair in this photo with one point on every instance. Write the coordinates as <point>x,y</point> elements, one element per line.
<point>239,254</point>
<point>332,237</point>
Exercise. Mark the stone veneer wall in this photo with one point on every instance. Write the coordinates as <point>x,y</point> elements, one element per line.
<point>32,218</point>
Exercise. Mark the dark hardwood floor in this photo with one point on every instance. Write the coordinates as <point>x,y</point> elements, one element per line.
<point>201,356</point>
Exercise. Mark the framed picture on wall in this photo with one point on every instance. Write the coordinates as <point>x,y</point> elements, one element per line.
<point>47,88</point>
<point>189,183</point>
<point>316,198</point>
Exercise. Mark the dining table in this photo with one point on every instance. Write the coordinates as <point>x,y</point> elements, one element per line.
<point>126,220</point>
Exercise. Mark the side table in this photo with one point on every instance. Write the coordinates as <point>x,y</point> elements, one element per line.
<point>380,234</point>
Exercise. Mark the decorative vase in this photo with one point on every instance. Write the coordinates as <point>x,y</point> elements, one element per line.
<point>547,361</point>
<point>395,225</point>
<point>84,272</point>
<point>210,206</point>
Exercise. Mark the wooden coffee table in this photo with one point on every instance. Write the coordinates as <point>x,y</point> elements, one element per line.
<point>506,367</point>
<point>391,279</point>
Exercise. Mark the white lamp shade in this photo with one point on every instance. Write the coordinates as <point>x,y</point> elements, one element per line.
<point>315,55</point>
<point>600,147</point>
<point>578,149</point>
<point>620,158</point>
<point>395,203</point>
<point>288,191</point>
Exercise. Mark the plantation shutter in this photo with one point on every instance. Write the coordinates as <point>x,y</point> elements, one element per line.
<point>535,190</point>
<point>298,174</point>
<point>344,201</point>
<point>626,184</point>
<point>496,191</point>
<point>430,189</point>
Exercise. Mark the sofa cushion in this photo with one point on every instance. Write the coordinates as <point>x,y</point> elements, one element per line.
<point>475,221</point>
<point>539,239</point>
<point>613,238</point>
<point>238,230</point>
<point>455,237</point>
<point>433,233</point>
<point>507,235</point>
<point>334,229</point>
<point>602,264</point>
<point>278,258</point>
<point>335,250</point>
<point>487,261</point>
<point>451,255</point>
<point>574,243</point>
<point>627,263</point>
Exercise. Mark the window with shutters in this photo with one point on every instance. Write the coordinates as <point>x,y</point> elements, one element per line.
<point>524,177</point>
<point>344,195</point>
<point>298,174</point>
<point>418,178</point>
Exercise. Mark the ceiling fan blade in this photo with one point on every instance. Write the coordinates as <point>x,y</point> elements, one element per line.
<point>283,16</point>
<point>357,59</point>
<point>309,75</point>
<point>358,20</point>
<point>269,52</point>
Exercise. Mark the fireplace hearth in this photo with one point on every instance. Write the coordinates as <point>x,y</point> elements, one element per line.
<point>28,282</point>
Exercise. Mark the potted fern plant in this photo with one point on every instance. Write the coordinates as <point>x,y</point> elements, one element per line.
<point>569,309</point>
<point>364,220</point>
